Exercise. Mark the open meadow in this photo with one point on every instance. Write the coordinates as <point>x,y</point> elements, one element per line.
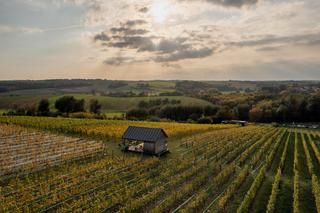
<point>108,104</point>
<point>211,168</point>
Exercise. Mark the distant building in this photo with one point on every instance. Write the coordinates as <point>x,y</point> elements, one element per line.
<point>145,140</point>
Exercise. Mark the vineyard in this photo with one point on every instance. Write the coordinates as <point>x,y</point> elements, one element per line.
<point>24,149</point>
<point>258,168</point>
<point>105,128</point>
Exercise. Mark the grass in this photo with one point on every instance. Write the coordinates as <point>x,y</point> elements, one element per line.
<point>109,104</point>
<point>3,111</point>
<point>154,86</point>
<point>7,101</point>
<point>120,104</point>
<point>114,114</point>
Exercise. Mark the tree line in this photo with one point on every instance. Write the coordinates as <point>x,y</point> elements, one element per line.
<point>266,108</point>
<point>64,106</point>
<point>270,104</point>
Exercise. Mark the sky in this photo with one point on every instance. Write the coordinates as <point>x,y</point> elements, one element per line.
<point>160,39</point>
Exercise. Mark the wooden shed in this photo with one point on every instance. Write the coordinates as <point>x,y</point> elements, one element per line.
<point>145,140</point>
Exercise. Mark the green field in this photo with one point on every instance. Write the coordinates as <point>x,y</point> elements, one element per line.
<point>211,168</point>
<point>124,103</point>
<point>109,104</point>
<point>102,88</point>
<point>3,111</point>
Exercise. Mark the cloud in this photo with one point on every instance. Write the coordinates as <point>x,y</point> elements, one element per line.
<point>143,10</point>
<point>101,37</point>
<point>117,61</point>
<point>180,48</point>
<point>121,60</point>
<point>185,54</point>
<point>126,36</point>
<point>129,28</point>
<point>267,49</point>
<point>172,45</point>
<point>192,40</point>
<point>134,42</point>
<point>230,3</point>
<point>132,23</point>
<point>305,39</point>
<point>4,29</point>
<point>128,31</point>
<point>167,50</point>
<point>160,49</point>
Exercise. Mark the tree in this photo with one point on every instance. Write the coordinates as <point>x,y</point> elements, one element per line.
<point>195,116</point>
<point>262,112</point>
<point>224,113</point>
<point>30,110</point>
<point>242,111</point>
<point>314,107</point>
<point>143,104</point>
<point>95,106</point>
<point>256,114</point>
<point>67,104</point>
<point>43,107</point>
<point>78,106</point>
<point>137,114</point>
<point>282,113</point>
<point>210,110</point>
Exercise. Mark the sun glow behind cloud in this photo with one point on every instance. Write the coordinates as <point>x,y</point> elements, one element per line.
<point>160,10</point>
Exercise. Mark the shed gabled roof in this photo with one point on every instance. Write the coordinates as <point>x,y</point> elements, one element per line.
<point>144,133</point>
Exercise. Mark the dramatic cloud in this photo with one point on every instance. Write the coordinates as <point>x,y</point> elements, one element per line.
<point>160,38</point>
<point>126,36</point>
<point>161,50</point>
<point>131,35</point>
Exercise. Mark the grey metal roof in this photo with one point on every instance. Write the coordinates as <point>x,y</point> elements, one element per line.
<point>144,134</point>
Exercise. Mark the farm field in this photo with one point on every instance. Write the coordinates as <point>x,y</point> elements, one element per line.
<point>257,168</point>
<point>25,149</point>
<point>105,128</point>
<point>109,104</point>
<point>125,103</point>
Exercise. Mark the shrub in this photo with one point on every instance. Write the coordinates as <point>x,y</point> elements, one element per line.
<point>205,120</point>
